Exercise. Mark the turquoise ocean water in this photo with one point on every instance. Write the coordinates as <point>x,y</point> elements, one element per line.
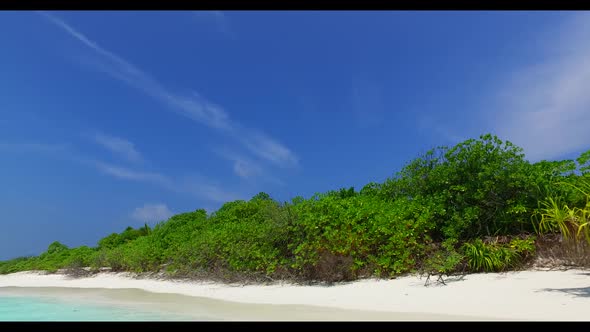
<point>28,308</point>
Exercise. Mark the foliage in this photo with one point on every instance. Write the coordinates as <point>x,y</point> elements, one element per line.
<point>365,230</point>
<point>583,213</point>
<point>56,248</point>
<point>450,209</point>
<point>168,237</point>
<point>79,257</point>
<point>494,256</point>
<point>17,264</point>
<point>57,256</point>
<point>584,162</point>
<point>445,260</point>
<point>250,237</point>
<point>261,196</point>
<point>556,216</point>
<point>129,234</point>
<point>483,187</point>
<point>571,222</point>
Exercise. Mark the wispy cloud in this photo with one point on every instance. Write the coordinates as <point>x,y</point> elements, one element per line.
<point>268,148</point>
<point>134,175</point>
<point>194,186</point>
<point>152,213</point>
<point>192,105</point>
<point>246,168</point>
<point>242,166</point>
<point>546,106</point>
<point>119,146</point>
<point>213,193</point>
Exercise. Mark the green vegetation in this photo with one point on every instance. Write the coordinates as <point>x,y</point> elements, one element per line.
<point>495,257</point>
<point>571,221</point>
<point>474,207</point>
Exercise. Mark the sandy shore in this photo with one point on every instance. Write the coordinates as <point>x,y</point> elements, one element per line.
<point>526,295</point>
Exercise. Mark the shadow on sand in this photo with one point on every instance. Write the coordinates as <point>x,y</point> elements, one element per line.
<point>578,292</point>
<point>438,280</point>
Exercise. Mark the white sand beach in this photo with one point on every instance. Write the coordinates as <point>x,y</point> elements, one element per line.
<point>524,295</point>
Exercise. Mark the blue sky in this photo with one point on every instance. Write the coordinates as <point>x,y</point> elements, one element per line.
<point>110,119</point>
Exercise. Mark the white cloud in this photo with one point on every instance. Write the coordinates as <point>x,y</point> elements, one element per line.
<point>242,166</point>
<point>191,106</point>
<point>243,169</point>
<point>119,146</point>
<point>152,213</point>
<point>269,149</point>
<point>133,175</point>
<point>247,168</point>
<point>546,106</point>
<point>214,193</point>
<point>203,187</point>
<point>199,188</point>
<point>198,109</point>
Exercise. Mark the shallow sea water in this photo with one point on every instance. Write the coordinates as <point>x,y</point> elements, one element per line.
<point>28,308</point>
<point>89,304</point>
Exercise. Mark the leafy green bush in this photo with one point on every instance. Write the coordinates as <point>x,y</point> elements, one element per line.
<point>17,264</point>
<point>79,257</point>
<point>483,186</point>
<point>572,222</point>
<point>249,237</point>
<point>128,235</point>
<point>57,256</point>
<point>493,257</point>
<point>444,259</point>
<point>438,213</point>
<point>56,248</point>
<point>168,237</point>
<point>357,232</point>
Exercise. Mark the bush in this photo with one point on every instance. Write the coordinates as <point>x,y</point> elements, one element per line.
<point>495,256</point>
<point>248,237</point>
<point>483,186</point>
<point>129,234</point>
<point>443,259</point>
<point>572,222</point>
<point>451,208</point>
<point>336,238</point>
<point>79,257</point>
<point>168,237</point>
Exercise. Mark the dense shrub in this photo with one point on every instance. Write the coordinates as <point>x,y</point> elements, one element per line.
<point>568,217</point>
<point>496,256</point>
<point>241,236</point>
<point>358,232</point>
<point>463,208</point>
<point>483,186</point>
<point>129,234</point>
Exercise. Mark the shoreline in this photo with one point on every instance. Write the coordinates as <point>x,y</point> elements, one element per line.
<point>522,295</point>
<point>176,307</point>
